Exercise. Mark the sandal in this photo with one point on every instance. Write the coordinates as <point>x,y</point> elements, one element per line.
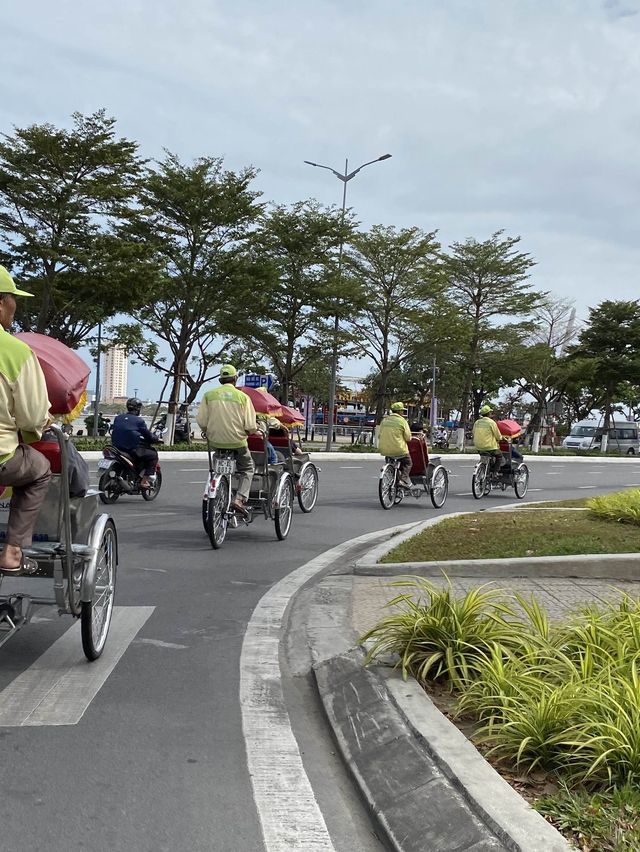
<point>26,566</point>
<point>240,508</point>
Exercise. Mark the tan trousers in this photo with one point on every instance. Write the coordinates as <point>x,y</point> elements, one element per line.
<point>28,473</point>
<point>244,468</point>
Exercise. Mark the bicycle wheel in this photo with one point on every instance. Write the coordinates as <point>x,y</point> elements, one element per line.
<point>95,615</point>
<point>479,480</point>
<point>284,511</point>
<point>521,480</point>
<point>439,487</point>
<point>216,514</point>
<point>308,487</point>
<point>150,494</point>
<point>387,486</point>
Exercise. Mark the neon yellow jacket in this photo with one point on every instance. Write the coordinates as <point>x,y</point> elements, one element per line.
<point>24,404</point>
<point>227,416</point>
<point>486,435</point>
<point>393,436</point>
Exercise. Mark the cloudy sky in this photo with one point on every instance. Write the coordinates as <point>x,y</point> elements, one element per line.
<point>514,114</point>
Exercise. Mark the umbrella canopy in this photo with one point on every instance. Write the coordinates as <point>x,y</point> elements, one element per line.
<point>262,401</point>
<point>509,428</point>
<point>291,416</point>
<point>65,372</point>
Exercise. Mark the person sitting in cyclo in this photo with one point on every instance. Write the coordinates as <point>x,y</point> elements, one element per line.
<point>227,416</point>
<point>487,437</point>
<point>131,436</point>
<point>393,441</point>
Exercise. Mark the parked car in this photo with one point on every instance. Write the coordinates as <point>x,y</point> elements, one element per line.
<point>587,435</point>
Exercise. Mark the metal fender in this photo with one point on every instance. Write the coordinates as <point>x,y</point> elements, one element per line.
<point>88,582</point>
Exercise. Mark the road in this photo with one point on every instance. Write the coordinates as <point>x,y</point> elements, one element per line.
<point>153,756</point>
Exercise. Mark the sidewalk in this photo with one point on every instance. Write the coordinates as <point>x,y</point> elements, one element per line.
<point>425,784</point>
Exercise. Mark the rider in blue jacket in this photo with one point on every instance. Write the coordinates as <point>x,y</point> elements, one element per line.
<point>131,435</point>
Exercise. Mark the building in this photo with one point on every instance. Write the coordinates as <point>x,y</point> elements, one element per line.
<point>114,377</point>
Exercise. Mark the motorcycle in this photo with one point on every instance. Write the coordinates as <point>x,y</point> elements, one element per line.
<point>440,441</point>
<point>120,474</point>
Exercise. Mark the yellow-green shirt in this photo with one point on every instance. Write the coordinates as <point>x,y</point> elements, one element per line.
<point>227,416</point>
<point>393,436</point>
<point>24,403</point>
<point>486,435</point>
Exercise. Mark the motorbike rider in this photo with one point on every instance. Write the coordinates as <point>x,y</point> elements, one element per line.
<point>131,435</point>
<point>393,440</point>
<point>487,437</point>
<point>227,416</point>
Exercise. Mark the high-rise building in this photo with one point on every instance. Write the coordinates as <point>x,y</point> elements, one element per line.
<point>114,379</point>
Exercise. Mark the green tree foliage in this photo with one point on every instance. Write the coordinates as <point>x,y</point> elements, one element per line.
<point>63,195</point>
<point>298,244</point>
<point>394,270</point>
<point>489,282</point>
<point>610,346</point>
<point>196,219</point>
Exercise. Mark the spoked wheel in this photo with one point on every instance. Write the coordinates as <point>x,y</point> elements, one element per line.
<point>387,486</point>
<point>283,513</point>
<point>308,487</point>
<point>109,492</point>
<point>479,480</point>
<point>95,615</point>
<point>521,480</point>
<point>151,493</point>
<point>215,516</point>
<point>439,486</point>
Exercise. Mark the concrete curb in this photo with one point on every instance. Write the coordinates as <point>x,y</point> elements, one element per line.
<point>601,566</point>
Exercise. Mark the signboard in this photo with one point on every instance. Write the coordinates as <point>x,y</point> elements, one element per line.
<point>255,380</point>
<point>307,402</point>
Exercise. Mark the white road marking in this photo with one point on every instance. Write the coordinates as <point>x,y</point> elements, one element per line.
<point>155,570</point>
<point>466,494</point>
<point>193,470</point>
<point>535,489</point>
<point>632,485</point>
<point>159,643</point>
<point>59,686</point>
<point>149,515</point>
<point>554,472</point>
<point>586,486</point>
<point>350,467</point>
<point>285,802</point>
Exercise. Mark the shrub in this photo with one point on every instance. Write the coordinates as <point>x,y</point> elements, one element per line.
<point>622,506</point>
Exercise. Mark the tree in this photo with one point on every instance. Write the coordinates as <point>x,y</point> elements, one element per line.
<point>63,195</point>
<point>394,271</point>
<point>298,242</point>
<point>488,281</point>
<point>611,342</point>
<point>197,220</point>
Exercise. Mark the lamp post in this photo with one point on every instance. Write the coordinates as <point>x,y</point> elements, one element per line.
<point>96,404</point>
<point>345,178</point>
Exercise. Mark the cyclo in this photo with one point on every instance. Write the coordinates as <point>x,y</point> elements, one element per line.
<point>74,545</point>
<point>271,495</point>
<point>428,475</point>
<point>512,473</point>
<point>299,465</point>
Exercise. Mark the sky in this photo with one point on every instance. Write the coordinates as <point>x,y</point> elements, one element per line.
<point>520,115</point>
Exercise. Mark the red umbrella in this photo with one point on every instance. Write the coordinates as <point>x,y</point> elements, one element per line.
<point>65,372</point>
<point>291,416</point>
<point>262,401</point>
<point>509,428</point>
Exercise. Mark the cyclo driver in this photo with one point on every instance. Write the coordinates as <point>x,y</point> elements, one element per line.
<point>487,437</point>
<point>131,436</point>
<point>227,416</point>
<point>393,441</point>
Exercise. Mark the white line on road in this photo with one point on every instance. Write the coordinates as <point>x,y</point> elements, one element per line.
<point>193,470</point>
<point>59,686</point>
<point>554,472</point>
<point>285,802</point>
<point>350,467</point>
<point>148,515</point>
<point>586,486</point>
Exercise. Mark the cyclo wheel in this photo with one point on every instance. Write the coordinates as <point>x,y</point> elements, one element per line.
<point>95,615</point>
<point>150,494</point>
<point>215,517</point>
<point>479,479</point>
<point>284,512</point>
<point>308,487</point>
<point>521,480</point>
<point>387,486</point>
<point>439,487</point>
<point>106,486</point>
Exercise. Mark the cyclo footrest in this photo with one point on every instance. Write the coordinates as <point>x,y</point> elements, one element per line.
<point>14,614</point>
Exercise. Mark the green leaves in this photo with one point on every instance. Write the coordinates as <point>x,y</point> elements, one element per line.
<point>622,506</point>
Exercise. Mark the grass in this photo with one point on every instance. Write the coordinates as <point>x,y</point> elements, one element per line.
<point>499,535</point>
<point>622,507</point>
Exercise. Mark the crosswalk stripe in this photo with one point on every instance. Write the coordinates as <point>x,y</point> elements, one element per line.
<point>59,686</point>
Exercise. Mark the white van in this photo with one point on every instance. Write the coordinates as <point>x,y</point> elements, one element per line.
<point>587,435</point>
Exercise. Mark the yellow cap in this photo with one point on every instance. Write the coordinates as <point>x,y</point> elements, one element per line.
<point>7,284</point>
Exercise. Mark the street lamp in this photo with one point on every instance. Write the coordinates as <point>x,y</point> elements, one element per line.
<point>345,178</point>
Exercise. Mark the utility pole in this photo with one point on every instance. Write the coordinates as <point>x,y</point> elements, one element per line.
<point>434,401</point>
<point>96,403</point>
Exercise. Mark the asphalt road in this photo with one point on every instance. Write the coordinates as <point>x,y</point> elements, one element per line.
<point>157,761</point>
